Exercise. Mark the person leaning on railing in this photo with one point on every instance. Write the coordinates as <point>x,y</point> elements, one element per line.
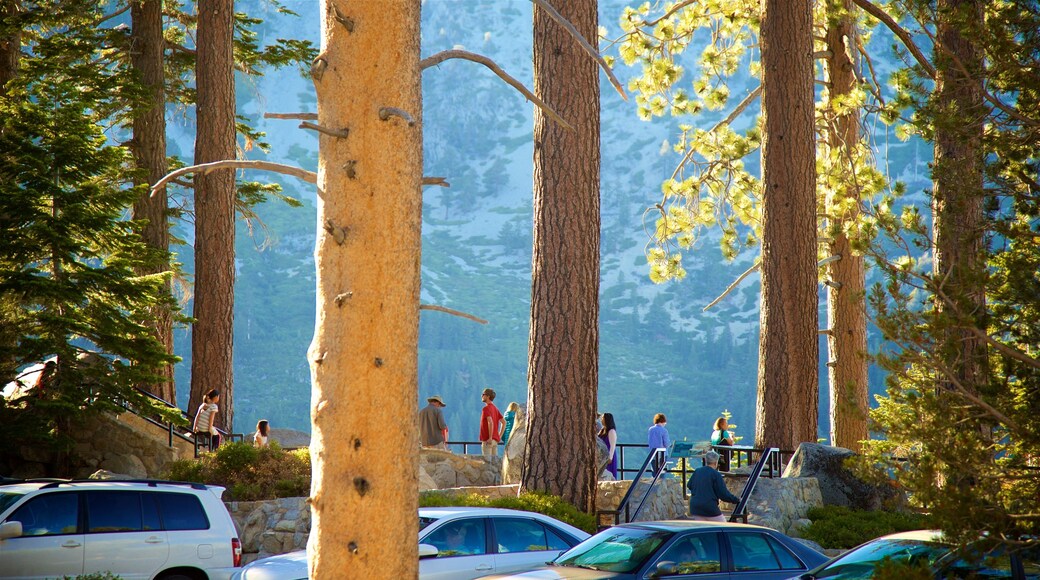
<point>706,489</point>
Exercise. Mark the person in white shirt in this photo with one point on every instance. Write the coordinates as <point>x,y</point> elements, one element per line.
<point>260,437</point>
<point>205,426</point>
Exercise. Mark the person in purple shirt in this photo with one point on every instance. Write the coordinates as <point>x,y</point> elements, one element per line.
<point>657,436</point>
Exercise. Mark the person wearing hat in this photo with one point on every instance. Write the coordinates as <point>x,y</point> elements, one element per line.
<point>433,431</point>
<point>491,424</point>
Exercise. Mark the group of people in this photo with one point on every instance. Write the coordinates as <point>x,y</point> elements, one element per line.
<point>495,427</point>
<point>205,425</point>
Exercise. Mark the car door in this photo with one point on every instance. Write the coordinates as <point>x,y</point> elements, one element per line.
<point>462,546</point>
<point>51,545</point>
<point>524,543</point>
<point>692,555</point>
<point>758,556</point>
<point>123,534</point>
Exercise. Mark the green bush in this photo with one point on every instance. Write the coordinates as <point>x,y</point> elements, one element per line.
<point>841,527</point>
<point>249,473</point>
<point>549,505</point>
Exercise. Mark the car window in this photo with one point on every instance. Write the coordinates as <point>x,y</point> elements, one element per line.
<point>694,554</point>
<point>752,551</point>
<point>519,535</point>
<point>619,549</point>
<point>181,511</point>
<point>556,541</point>
<point>8,499</point>
<point>860,563</point>
<point>984,568</point>
<point>464,537</point>
<point>113,511</point>
<point>150,519</point>
<point>50,514</point>
<point>424,522</point>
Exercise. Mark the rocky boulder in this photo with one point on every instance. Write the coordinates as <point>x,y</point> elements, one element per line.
<point>838,484</point>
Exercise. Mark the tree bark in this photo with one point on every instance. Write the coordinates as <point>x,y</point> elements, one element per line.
<point>563,359</point>
<point>10,46</point>
<point>149,150</point>
<point>364,356</point>
<point>787,404</point>
<point>213,331</point>
<point>957,202</point>
<point>846,291</point>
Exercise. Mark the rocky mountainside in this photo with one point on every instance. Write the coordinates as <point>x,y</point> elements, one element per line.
<point>659,351</point>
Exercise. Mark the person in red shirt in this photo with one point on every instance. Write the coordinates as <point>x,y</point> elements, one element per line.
<point>491,424</point>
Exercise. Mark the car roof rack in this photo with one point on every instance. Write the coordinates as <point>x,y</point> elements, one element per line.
<point>16,480</point>
<point>150,482</point>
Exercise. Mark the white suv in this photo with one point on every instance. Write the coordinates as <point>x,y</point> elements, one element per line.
<point>137,529</point>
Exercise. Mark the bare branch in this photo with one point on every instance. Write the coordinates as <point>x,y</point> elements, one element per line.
<point>303,116</point>
<point>342,133</point>
<point>733,285</point>
<point>593,52</point>
<point>444,55</point>
<point>112,15</point>
<point>900,32</point>
<point>387,112</point>
<point>308,176</point>
<point>440,181</point>
<point>452,312</point>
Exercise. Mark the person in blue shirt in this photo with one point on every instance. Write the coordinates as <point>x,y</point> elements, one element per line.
<point>706,489</point>
<point>657,436</point>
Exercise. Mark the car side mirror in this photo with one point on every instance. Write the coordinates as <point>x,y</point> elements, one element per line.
<point>10,530</point>
<point>665,568</point>
<point>427,551</point>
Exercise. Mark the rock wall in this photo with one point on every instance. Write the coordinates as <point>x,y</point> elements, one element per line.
<point>126,444</point>
<point>271,527</point>
<point>443,469</point>
<point>780,503</point>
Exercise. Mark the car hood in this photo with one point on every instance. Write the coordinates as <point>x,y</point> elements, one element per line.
<point>290,565</point>
<point>561,573</point>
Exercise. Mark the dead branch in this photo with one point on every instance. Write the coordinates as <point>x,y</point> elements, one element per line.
<point>730,288</point>
<point>204,168</point>
<point>303,116</point>
<point>332,132</point>
<point>439,181</point>
<point>593,52</point>
<point>444,55</point>
<point>452,312</point>
<point>387,112</point>
<point>900,32</point>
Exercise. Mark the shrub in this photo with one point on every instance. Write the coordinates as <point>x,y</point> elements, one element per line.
<point>542,503</point>
<point>841,527</point>
<point>249,473</point>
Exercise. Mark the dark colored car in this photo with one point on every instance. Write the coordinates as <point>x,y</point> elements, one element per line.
<point>925,548</point>
<point>681,549</point>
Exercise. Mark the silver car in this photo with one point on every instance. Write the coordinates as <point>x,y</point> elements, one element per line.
<point>458,543</point>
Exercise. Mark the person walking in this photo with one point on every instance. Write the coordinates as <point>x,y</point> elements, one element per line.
<point>491,424</point>
<point>706,489</point>
<point>205,426</point>
<point>262,430</point>
<point>722,436</point>
<point>433,430</point>
<point>510,417</point>
<point>657,437</point>
<point>608,434</point>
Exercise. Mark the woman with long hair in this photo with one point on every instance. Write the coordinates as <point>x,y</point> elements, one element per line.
<point>608,434</point>
<point>260,437</point>
<point>205,426</point>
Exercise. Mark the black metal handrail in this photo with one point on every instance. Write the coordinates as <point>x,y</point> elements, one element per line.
<point>768,459</point>
<point>188,437</point>
<point>655,458</point>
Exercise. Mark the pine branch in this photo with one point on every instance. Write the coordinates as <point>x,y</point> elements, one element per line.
<point>452,312</point>
<point>301,116</point>
<point>544,5</point>
<point>444,55</point>
<point>308,176</point>
<point>900,32</point>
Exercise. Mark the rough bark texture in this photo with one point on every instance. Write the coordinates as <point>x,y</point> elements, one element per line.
<point>212,333</point>
<point>846,292</point>
<point>149,149</point>
<point>786,413</point>
<point>364,357</point>
<point>10,46</point>
<point>562,371</point>
<point>957,202</point>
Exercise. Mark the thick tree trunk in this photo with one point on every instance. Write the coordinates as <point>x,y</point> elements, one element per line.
<point>10,46</point>
<point>149,149</point>
<point>846,291</point>
<point>788,352</point>
<point>364,357</point>
<point>957,203</point>
<point>563,352</point>
<point>213,331</point>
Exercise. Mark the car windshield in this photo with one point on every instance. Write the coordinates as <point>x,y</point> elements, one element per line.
<point>860,563</point>
<point>615,550</point>
<point>7,498</point>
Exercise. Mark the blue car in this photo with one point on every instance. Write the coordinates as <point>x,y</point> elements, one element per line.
<point>680,549</point>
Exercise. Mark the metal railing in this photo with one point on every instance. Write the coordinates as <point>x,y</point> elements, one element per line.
<point>652,469</point>
<point>768,459</point>
<point>172,430</point>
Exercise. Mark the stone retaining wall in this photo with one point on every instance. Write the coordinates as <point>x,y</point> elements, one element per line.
<point>126,444</point>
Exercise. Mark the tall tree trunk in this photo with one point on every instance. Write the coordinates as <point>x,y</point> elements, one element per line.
<point>149,149</point>
<point>213,331</point>
<point>846,290</point>
<point>10,46</point>
<point>563,352</point>
<point>957,203</point>
<point>364,357</point>
<point>787,404</point>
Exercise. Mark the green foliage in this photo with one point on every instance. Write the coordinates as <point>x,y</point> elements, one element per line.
<point>542,503</point>
<point>842,527</point>
<point>249,473</point>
